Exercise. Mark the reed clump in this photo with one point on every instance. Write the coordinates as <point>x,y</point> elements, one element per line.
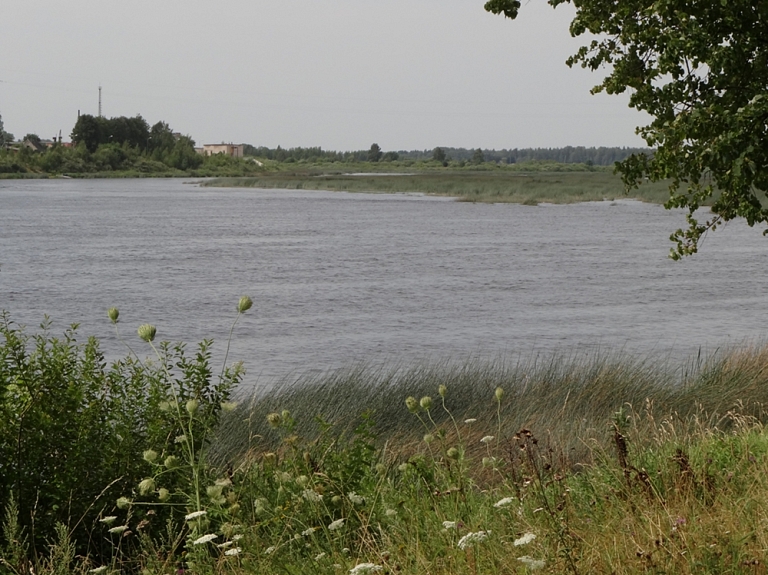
<point>559,464</point>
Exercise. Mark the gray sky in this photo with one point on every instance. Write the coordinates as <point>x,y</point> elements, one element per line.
<point>341,74</point>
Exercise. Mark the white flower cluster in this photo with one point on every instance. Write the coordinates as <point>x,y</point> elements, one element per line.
<point>531,563</point>
<point>504,502</point>
<point>334,525</point>
<point>355,498</point>
<point>363,568</point>
<point>525,539</point>
<point>472,538</point>
<point>311,495</point>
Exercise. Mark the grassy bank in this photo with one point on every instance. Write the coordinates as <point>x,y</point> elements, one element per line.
<point>599,464</point>
<point>495,185</point>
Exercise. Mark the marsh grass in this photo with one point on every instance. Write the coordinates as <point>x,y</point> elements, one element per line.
<point>490,186</point>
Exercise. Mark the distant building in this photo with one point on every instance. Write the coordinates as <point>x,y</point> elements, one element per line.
<point>236,151</point>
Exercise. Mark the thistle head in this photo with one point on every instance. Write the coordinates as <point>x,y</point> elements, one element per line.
<point>412,404</point>
<point>147,332</point>
<point>426,403</point>
<point>113,314</point>
<point>442,391</point>
<point>244,304</point>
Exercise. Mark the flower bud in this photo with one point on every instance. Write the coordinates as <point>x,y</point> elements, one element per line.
<point>147,332</point>
<point>452,453</point>
<point>229,406</point>
<point>442,390</point>
<point>244,304</point>
<point>412,404</point>
<point>123,503</point>
<point>499,393</point>
<point>150,456</point>
<point>302,480</point>
<point>285,415</point>
<point>335,499</point>
<point>113,314</point>
<point>274,420</point>
<point>163,494</point>
<point>429,438</point>
<point>214,491</point>
<point>171,462</point>
<point>192,406</point>
<point>426,403</point>
<point>146,486</point>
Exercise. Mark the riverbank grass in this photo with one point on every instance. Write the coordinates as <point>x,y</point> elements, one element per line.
<point>560,464</point>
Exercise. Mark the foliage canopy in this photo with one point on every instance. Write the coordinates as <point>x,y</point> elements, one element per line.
<point>700,69</point>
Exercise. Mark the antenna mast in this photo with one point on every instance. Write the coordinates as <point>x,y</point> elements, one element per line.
<point>99,101</point>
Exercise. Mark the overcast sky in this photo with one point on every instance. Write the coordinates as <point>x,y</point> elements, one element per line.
<point>341,74</point>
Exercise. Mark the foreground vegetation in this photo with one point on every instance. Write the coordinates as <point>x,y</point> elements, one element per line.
<point>605,464</point>
<point>530,183</point>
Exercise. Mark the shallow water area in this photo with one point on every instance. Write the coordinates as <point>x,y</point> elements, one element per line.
<point>339,278</point>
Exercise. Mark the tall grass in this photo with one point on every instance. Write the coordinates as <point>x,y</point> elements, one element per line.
<point>501,185</point>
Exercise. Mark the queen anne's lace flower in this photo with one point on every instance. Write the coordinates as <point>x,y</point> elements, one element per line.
<point>487,439</point>
<point>472,538</point>
<point>531,563</point>
<point>194,515</point>
<point>449,524</point>
<point>233,551</point>
<point>504,502</point>
<point>205,539</point>
<point>525,539</point>
<point>338,524</point>
<point>365,568</point>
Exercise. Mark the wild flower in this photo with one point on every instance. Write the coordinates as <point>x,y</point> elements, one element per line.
<point>192,406</point>
<point>531,563</point>
<point>99,569</point>
<point>487,439</point>
<point>355,498</point>
<point>472,538</point>
<point>452,453</point>
<point>179,439</point>
<point>205,539</point>
<point>274,420</point>
<point>108,520</point>
<point>237,537</point>
<point>470,420</point>
<point>334,525</point>
<point>442,390</point>
<point>150,456</point>
<point>244,304</point>
<point>449,524</point>
<point>525,539</point>
<point>499,393</point>
<point>412,404</point>
<point>225,544</point>
<point>302,480</point>
<point>504,502</point>
<point>119,529</point>
<point>390,513</point>
<point>146,486</point>
<point>429,438</point>
<point>113,313</point>
<point>163,494</point>
<point>319,556</point>
<point>194,515</point>
<point>232,552</point>
<point>311,495</point>
<point>147,332</point>
<point>270,550</point>
<point>426,403</point>
<point>365,568</point>
<point>229,406</point>
<point>123,503</point>
<point>308,532</point>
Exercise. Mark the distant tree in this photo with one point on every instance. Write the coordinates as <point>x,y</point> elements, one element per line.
<point>375,153</point>
<point>478,157</point>
<point>438,154</point>
<point>88,130</point>
<point>390,157</point>
<point>160,140</point>
<point>5,137</point>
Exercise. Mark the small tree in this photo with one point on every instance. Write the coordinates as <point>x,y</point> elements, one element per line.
<point>438,154</point>
<point>478,157</point>
<point>5,137</point>
<point>375,153</point>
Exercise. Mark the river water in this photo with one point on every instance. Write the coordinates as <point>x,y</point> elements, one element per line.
<point>340,278</point>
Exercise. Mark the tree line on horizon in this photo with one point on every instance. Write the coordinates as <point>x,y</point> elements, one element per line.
<point>597,156</point>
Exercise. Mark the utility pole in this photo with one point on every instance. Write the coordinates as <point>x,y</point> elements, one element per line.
<point>99,101</point>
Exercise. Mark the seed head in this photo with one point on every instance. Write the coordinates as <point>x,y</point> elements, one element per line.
<point>412,404</point>
<point>123,503</point>
<point>163,494</point>
<point>285,415</point>
<point>452,453</point>
<point>113,314</point>
<point>171,462</point>
<point>499,393</point>
<point>244,304</point>
<point>147,332</point>
<point>192,406</point>
<point>442,390</point>
<point>426,403</point>
<point>229,406</point>
<point>274,420</point>
<point>108,520</point>
<point>429,438</point>
<point>150,456</point>
<point>146,486</point>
